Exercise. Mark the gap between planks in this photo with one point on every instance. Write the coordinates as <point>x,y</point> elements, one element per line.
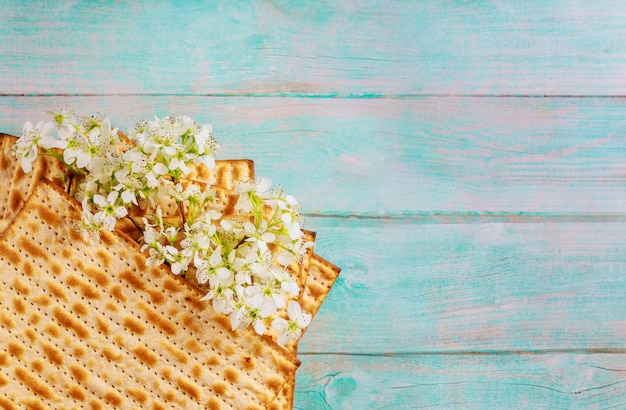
<point>339,218</point>
<point>530,352</point>
<point>356,96</point>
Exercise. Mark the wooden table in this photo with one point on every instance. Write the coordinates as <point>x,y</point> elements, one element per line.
<point>464,163</point>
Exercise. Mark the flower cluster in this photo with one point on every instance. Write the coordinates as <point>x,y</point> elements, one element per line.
<point>243,261</point>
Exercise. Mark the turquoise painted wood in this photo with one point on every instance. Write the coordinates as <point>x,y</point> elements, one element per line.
<point>418,157</point>
<point>464,163</point>
<point>346,48</point>
<point>517,381</point>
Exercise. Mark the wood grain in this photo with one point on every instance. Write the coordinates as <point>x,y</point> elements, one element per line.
<point>348,48</point>
<point>490,287</point>
<point>549,381</point>
<point>399,157</point>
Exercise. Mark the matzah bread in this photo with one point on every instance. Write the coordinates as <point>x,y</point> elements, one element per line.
<point>8,166</point>
<point>85,325</point>
<point>227,173</point>
<point>224,179</point>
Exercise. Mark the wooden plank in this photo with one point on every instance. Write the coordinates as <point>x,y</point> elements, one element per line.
<point>552,381</point>
<point>341,48</point>
<point>421,288</point>
<point>405,157</point>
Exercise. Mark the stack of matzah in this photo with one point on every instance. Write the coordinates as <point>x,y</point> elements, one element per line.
<point>91,326</point>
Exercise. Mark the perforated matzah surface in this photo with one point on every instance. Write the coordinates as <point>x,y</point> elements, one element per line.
<point>84,325</point>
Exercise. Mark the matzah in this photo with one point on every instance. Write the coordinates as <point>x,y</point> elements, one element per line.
<point>87,325</point>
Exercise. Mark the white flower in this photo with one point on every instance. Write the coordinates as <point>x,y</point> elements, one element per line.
<point>109,212</point>
<point>291,329</point>
<point>26,148</point>
<point>250,194</point>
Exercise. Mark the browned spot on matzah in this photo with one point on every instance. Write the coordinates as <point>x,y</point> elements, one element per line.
<point>139,395</point>
<point>112,307</point>
<point>166,372</point>
<point>34,318</point>
<point>79,352</point>
<point>119,340</point>
<point>102,326</point>
<point>3,382</point>
<point>257,350</point>
<point>274,382</point>
<point>189,387</point>
<point>229,350</point>
<point>52,353</point>
<point>17,199</point>
<point>196,371</point>
<point>96,405</point>
<point>219,388</point>
<point>37,386</point>
<point>87,290</point>
<point>247,362</point>
<point>316,290</point>
<point>118,293</point>
<point>80,374</point>
<point>113,397</point>
<point>176,353</point>
<point>195,303</point>
<point>107,238</point>
<point>231,374</point>
<point>132,279</point>
<point>57,290</point>
<point>7,404</point>
<point>190,323</point>
<point>20,287</point>
<point>4,359</point>
<point>223,321</point>
<point>213,360</point>
<point>37,365</point>
<point>170,396</point>
<point>156,296</point>
<point>42,300</point>
<point>52,218</point>
<point>213,404</point>
<point>19,305</point>
<point>75,235</point>
<point>30,334</point>
<point>111,354</point>
<point>99,276</point>
<point>66,253</point>
<point>31,248</point>
<point>80,309</point>
<point>217,344</point>
<point>32,403</point>
<point>10,254</point>
<point>193,345</point>
<point>56,268</point>
<point>77,393</point>
<point>140,261</point>
<point>29,268</point>
<point>6,321</point>
<point>171,285</point>
<point>146,355</point>
<point>134,325</point>
<point>52,330</point>
<point>157,319</point>
<point>105,257</point>
<point>15,349</point>
<point>67,321</point>
<point>158,406</point>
